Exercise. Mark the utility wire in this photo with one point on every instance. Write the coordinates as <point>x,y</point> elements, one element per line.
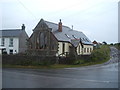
<point>27,9</point>
<point>85,11</point>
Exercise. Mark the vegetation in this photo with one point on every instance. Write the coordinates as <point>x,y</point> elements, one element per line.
<point>101,54</point>
<point>98,56</point>
<point>105,43</point>
<point>117,45</point>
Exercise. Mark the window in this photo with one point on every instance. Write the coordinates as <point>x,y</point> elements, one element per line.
<point>68,36</point>
<point>87,40</point>
<point>63,49</point>
<point>79,49</point>
<point>84,50</point>
<point>83,39</point>
<point>37,42</point>
<point>4,51</point>
<point>74,36</point>
<point>11,42</point>
<point>88,50</point>
<point>45,39</point>
<point>42,40</point>
<point>15,51</point>
<point>11,51</point>
<point>2,42</point>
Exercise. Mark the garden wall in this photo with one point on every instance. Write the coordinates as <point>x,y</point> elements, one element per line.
<point>27,60</point>
<point>72,60</point>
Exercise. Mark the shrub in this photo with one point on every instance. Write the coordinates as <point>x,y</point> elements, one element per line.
<point>100,54</point>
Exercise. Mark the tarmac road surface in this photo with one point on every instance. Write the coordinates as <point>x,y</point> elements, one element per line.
<point>96,76</point>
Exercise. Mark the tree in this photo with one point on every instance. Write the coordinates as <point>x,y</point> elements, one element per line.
<point>111,44</point>
<point>105,43</point>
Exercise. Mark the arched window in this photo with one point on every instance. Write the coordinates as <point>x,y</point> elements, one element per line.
<point>41,37</point>
<point>37,42</point>
<point>42,40</point>
<point>45,41</point>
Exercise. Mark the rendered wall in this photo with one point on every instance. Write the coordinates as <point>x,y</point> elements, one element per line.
<point>60,47</point>
<point>15,44</point>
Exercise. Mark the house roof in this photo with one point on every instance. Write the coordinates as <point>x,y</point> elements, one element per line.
<point>10,33</point>
<point>95,42</point>
<point>68,34</point>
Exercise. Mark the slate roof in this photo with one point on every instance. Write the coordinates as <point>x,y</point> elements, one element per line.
<point>68,34</point>
<point>10,33</point>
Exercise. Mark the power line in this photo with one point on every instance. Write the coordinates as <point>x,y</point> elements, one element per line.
<point>85,11</point>
<point>27,9</point>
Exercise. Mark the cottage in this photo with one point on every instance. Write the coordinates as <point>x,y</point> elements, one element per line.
<point>13,41</point>
<point>95,43</point>
<point>58,40</point>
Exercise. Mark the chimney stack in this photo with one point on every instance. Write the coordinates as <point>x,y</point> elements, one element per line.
<point>60,26</point>
<point>72,27</point>
<point>23,27</point>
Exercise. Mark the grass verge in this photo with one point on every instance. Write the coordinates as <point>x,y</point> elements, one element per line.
<point>55,66</point>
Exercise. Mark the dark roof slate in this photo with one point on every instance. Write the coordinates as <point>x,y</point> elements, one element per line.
<point>67,34</point>
<point>10,33</point>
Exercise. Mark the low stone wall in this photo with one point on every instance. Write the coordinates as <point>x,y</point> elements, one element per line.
<point>71,60</point>
<point>27,60</point>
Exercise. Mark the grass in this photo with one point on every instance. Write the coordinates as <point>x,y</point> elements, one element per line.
<point>98,56</point>
<point>55,66</point>
<point>117,46</point>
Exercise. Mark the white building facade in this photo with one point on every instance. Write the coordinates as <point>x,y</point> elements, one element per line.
<point>9,44</point>
<point>13,41</point>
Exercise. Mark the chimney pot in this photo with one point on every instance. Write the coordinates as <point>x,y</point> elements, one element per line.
<point>72,27</point>
<point>60,20</point>
<point>23,27</point>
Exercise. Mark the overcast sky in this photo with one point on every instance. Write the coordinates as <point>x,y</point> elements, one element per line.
<point>98,19</point>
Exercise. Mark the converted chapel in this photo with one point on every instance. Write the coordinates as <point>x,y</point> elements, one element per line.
<point>53,39</point>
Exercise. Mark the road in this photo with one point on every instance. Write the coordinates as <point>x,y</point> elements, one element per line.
<point>96,76</point>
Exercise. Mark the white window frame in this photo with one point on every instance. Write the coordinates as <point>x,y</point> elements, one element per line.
<point>10,42</point>
<point>3,42</point>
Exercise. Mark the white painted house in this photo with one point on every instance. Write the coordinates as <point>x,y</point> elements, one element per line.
<point>13,41</point>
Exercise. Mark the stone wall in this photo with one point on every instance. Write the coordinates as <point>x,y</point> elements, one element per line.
<point>27,60</point>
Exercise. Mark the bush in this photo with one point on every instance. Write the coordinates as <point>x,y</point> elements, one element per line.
<point>76,62</point>
<point>117,45</point>
<point>100,54</point>
<point>66,60</point>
